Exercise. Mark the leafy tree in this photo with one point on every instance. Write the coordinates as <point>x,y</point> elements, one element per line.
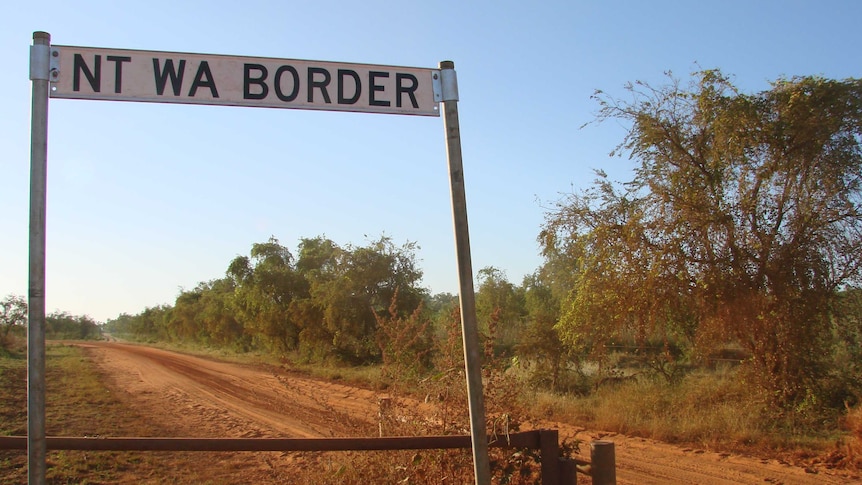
<point>63,325</point>
<point>266,284</point>
<point>151,324</point>
<point>122,325</point>
<point>316,262</point>
<point>221,325</point>
<point>13,314</point>
<point>351,284</point>
<point>184,318</point>
<point>540,347</point>
<point>845,383</point>
<point>441,302</point>
<point>499,308</point>
<point>439,309</point>
<point>741,222</point>
<point>317,255</point>
<point>623,290</point>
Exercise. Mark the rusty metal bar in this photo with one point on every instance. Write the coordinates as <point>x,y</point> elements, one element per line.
<point>527,439</point>
<point>555,470</point>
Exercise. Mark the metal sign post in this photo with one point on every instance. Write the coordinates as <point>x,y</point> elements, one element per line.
<point>171,77</point>
<point>40,70</point>
<point>469,327</point>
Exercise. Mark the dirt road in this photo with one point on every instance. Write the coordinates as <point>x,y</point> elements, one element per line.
<point>216,399</point>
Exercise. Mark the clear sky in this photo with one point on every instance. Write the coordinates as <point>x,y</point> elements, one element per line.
<point>147,199</point>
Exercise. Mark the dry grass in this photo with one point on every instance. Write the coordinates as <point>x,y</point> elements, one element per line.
<point>713,410</point>
<point>853,443</point>
<point>369,376</point>
<point>78,404</point>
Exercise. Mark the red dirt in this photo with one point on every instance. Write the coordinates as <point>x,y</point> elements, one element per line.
<point>204,398</point>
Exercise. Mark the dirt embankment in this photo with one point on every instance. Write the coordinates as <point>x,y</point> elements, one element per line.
<point>204,398</point>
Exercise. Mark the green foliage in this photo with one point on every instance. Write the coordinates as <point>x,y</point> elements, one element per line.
<point>221,326</point>
<point>350,284</point>
<point>499,310</point>
<point>62,325</point>
<point>843,385</point>
<point>741,222</point>
<point>322,304</point>
<point>149,326</point>
<point>266,285</point>
<point>13,315</point>
<point>540,348</point>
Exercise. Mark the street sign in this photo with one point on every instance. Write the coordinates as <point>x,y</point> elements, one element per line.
<point>172,77</point>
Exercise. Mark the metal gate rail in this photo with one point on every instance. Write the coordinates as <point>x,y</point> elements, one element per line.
<point>554,470</point>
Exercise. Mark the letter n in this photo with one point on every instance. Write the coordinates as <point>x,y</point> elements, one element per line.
<point>94,76</point>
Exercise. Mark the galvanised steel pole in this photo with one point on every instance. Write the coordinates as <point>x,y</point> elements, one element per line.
<point>40,71</point>
<point>469,327</point>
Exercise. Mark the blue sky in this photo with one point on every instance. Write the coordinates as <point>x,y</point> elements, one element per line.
<point>146,199</point>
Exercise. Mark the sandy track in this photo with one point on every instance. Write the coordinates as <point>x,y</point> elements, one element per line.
<point>217,399</point>
<point>214,397</point>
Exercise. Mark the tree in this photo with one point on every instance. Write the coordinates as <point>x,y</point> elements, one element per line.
<point>316,263</point>
<point>623,290</point>
<point>13,313</point>
<point>64,325</point>
<point>152,323</point>
<point>184,318</point>
<point>499,308</point>
<point>348,285</point>
<point>218,315</point>
<point>846,379</point>
<point>741,222</point>
<point>540,347</point>
<point>266,285</point>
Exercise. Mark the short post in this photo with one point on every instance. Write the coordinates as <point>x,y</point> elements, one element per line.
<point>549,447</point>
<point>383,406</point>
<point>568,472</point>
<point>603,459</point>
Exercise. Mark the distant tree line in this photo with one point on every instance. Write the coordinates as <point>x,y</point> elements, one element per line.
<point>320,302</point>
<point>351,304</point>
<point>58,325</point>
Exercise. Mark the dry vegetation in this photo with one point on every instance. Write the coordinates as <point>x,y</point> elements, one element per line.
<point>853,444</point>
<point>709,409</point>
<point>79,404</point>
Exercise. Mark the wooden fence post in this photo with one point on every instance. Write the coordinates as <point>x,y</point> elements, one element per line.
<point>603,460</point>
<point>549,447</point>
<point>568,472</point>
<point>384,404</point>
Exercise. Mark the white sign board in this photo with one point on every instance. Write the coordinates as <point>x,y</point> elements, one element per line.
<point>171,77</point>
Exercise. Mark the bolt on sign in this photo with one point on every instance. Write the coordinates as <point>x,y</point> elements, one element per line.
<point>170,77</point>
